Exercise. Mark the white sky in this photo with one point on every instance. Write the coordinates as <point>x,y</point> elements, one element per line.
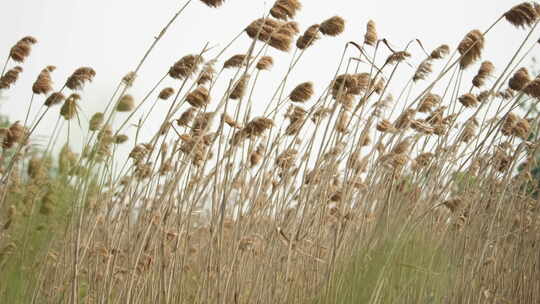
<point>111,37</point>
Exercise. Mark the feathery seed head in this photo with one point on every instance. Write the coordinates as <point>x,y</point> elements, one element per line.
<point>54,99</point>
<point>185,67</point>
<point>333,26</point>
<point>199,97</point>
<point>519,80</point>
<point>126,104</point>
<point>370,38</point>
<point>10,77</point>
<point>22,49</point>
<point>166,93</point>
<point>79,77</point>
<point>471,48</point>
<point>43,83</point>
<point>70,108</point>
<point>285,9</point>
<point>309,37</point>
<point>521,15</point>
<point>265,63</point>
<point>302,92</point>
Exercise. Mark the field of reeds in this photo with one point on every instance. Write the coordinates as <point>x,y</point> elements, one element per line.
<point>401,180</point>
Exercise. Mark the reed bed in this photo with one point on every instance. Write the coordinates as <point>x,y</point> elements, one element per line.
<point>401,180</point>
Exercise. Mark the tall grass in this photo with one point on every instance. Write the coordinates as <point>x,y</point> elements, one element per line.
<point>381,186</point>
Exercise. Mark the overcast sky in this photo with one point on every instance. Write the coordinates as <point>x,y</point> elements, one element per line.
<point>111,37</point>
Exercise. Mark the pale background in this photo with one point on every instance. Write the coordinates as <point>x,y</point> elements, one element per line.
<point>112,36</point>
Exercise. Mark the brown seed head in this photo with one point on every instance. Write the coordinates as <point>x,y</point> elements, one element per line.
<point>43,83</point>
<point>486,69</point>
<point>533,88</point>
<point>199,97</point>
<point>423,70</point>
<point>166,93</point>
<point>10,77</point>
<point>126,104</point>
<point>370,38</point>
<point>440,52</point>
<point>285,9</point>
<point>429,102</point>
<point>54,99</point>
<point>230,121</point>
<point>207,73</point>
<point>81,75</point>
<point>213,3</point>
<point>22,49</point>
<point>96,121</point>
<point>265,63</point>
<point>276,33</point>
<point>185,67</point>
<point>286,159</point>
<point>471,48</point>
<point>397,57</point>
<point>309,37</point>
<point>333,26</point>
<point>302,92</point>
<point>468,100</point>
<point>469,130</point>
<point>386,126</point>
<point>239,88</point>
<point>342,122</point>
<point>235,61</point>
<point>186,117</point>
<point>519,80</point>
<point>120,138</point>
<point>257,126</point>
<point>70,108</point>
<point>129,78</point>
<point>521,15</point>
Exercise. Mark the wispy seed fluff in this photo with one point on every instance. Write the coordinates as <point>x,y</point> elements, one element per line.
<point>285,9</point>
<point>468,100</point>
<point>440,52</point>
<point>199,97</point>
<point>519,80</point>
<point>370,38</point>
<point>521,15</point>
<point>10,77</point>
<point>125,104</point>
<point>235,61</point>
<point>54,99</point>
<point>471,48</point>
<point>213,3</point>
<point>486,69</point>
<point>265,63</point>
<point>185,67</point>
<point>81,75</point>
<point>70,108</point>
<point>333,26</point>
<point>22,49</point>
<point>302,92</point>
<point>309,37</point>
<point>43,83</point>
<point>239,88</point>
<point>166,93</point>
